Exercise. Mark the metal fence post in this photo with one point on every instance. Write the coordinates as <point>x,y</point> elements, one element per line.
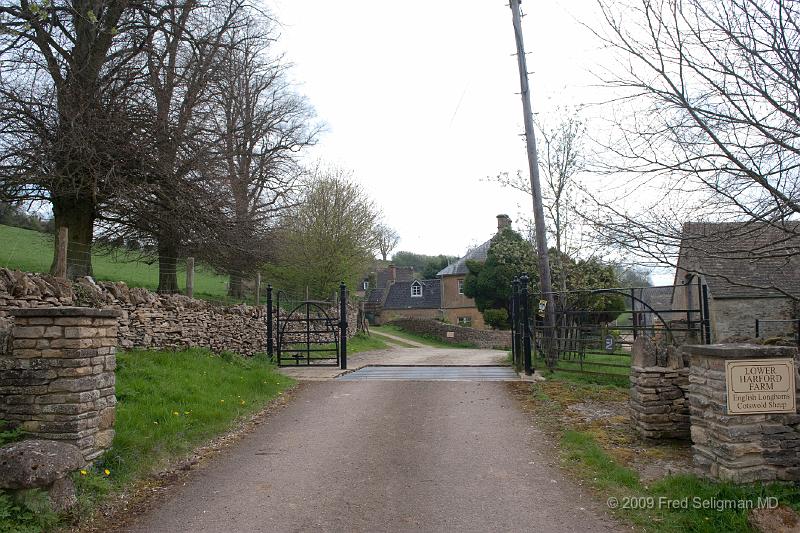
<point>757,328</point>
<point>269,321</point>
<point>526,332</point>
<point>343,324</point>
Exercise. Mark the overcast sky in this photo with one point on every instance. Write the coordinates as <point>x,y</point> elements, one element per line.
<point>420,101</point>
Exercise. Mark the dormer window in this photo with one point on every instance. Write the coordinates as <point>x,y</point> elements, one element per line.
<point>416,289</point>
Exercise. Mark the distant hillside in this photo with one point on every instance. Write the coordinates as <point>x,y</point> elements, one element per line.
<point>32,251</point>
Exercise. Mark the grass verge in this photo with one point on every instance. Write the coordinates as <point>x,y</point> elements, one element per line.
<point>169,403</point>
<point>606,454</point>
<point>427,340</point>
<point>674,503</point>
<point>364,343</point>
<point>356,344</point>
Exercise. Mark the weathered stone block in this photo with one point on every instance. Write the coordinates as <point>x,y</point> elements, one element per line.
<point>36,463</point>
<point>29,332</point>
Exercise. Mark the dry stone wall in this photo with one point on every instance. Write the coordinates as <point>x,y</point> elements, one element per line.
<point>659,381</point>
<point>481,338</point>
<point>147,320</point>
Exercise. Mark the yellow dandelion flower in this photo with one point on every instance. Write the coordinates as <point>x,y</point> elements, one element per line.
<point>242,402</point>
<point>154,422</point>
<point>107,472</point>
<point>222,401</point>
<point>84,472</point>
<point>176,413</point>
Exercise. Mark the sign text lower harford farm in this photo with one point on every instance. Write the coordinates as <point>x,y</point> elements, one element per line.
<point>760,386</point>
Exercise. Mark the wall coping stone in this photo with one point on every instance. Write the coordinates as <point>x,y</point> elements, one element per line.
<point>739,351</point>
<point>64,312</point>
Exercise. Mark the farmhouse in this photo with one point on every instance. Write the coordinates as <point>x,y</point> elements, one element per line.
<point>741,273</point>
<point>442,298</point>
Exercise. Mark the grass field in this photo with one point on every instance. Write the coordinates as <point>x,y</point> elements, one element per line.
<point>32,251</point>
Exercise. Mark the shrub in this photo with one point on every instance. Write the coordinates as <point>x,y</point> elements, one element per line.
<point>496,318</point>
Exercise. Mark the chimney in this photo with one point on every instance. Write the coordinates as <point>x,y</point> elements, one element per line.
<point>503,221</point>
<point>392,273</point>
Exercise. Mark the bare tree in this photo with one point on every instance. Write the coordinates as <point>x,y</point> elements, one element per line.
<point>177,202</point>
<point>64,71</point>
<point>386,240</point>
<point>561,160</point>
<point>262,125</point>
<point>705,125</point>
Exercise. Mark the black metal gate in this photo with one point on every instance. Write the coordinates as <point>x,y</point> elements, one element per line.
<point>589,340</point>
<point>307,333</point>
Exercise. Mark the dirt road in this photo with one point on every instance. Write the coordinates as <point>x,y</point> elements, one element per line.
<point>385,456</point>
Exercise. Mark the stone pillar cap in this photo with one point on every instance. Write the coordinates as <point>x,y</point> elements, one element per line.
<point>92,312</point>
<point>740,351</point>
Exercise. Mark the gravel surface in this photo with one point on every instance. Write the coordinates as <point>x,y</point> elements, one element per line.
<point>385,456</point>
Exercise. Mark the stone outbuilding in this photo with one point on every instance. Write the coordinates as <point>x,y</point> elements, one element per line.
<point>740,273</point>
<point>399,295</point>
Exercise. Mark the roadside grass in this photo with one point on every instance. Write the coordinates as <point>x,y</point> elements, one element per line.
<point>659,506</point>
<point>171,402</point>
<point>427,340</point>
<point>360,342</point>
<point>389,341</point>
<point>32,251</point>
<point>594,362</point>
<point>602,453</point>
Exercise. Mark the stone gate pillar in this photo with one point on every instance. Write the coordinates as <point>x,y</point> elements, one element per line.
<point>57,375</point>
<point>744,421</point>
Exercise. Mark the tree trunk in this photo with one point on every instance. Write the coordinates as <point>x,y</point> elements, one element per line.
<point>77,213</point>
<point>167,266</point>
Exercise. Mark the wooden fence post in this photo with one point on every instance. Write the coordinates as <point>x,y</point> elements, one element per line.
<point>190,277</point>
<point>61,253</point>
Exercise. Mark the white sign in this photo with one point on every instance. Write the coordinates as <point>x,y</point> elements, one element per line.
<point>760,386</point>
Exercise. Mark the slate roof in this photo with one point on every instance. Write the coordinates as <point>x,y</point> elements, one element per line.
<point>399,296</point>
<point>743,260</point>
<point>375,296</point>
<point>460,267</point>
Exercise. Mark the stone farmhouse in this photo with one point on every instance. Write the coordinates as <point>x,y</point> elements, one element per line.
<point>748,271</point>
<point>404,296</point>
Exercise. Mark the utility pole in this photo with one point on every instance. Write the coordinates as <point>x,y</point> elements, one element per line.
<point>533,167</point>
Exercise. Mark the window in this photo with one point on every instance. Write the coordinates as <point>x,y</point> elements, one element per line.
<point>416,289</point>
<point>465,321</point>
<point>461,286</point>
<point>366,285</point>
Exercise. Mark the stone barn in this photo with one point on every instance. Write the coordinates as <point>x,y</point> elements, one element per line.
<point>748,271</point>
